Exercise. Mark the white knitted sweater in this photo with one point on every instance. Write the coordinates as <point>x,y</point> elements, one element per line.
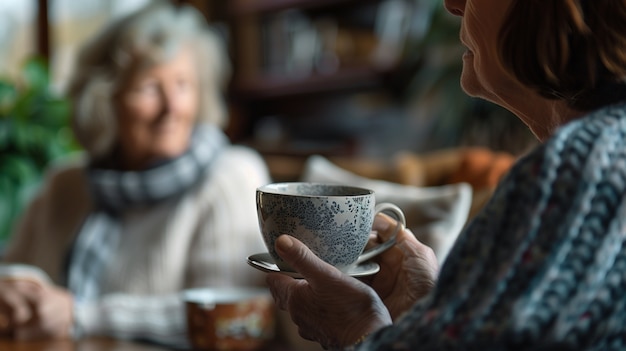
<point>200,240</point>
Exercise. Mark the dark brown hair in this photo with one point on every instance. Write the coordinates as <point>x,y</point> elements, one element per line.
<point>573,50</point>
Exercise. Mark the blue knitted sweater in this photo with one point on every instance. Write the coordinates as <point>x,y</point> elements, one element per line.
<point>543,266</point>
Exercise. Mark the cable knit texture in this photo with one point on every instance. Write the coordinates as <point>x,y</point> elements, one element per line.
<point>543,266</point>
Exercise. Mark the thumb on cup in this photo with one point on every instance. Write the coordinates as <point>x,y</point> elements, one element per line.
<point>302,259</point>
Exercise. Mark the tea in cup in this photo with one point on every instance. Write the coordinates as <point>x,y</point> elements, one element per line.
<point>334,221</point>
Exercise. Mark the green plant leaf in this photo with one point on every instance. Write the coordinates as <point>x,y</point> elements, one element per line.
<point>35,74</point>
<point>22,137</point>
<point>5,135</point>
<point>7,208</point>
<point>19,170</point>
<point>34,130</point>
<point>25,105</point>
<point>8,94</point>
<point>52,112</point>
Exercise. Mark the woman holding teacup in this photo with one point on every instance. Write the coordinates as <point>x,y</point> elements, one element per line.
<point>542,266</point>
<point>161,203</point>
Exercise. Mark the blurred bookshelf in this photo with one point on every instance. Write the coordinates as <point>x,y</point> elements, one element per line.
<point>352,78</point>
<point>297,63</point>
<point>242,7</point>
<point>285,47</point>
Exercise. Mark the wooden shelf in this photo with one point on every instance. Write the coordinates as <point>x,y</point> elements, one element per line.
<point>263,84</point>
<point>250,7</point>
<point>254,81</point>
<point>272,87</point>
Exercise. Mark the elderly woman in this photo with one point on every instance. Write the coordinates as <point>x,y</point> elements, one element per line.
<point>542,267</point>
<point>161,203</point>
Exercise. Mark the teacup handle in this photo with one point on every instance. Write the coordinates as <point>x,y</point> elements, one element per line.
<point>380,248</point>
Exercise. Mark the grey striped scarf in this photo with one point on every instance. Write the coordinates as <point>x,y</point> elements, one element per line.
<point>114,191</point>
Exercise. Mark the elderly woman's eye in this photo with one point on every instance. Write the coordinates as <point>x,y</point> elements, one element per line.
<point>183,84</point>
<point>147,88</point>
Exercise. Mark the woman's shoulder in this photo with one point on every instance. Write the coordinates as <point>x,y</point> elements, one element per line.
<point>239,159</point>
<point>67,173</point>
<point>599,126</point>
<point>594,135</point>
<point>588,149</point>
<point>236,167</point>
<point>63,192</point>
<point>230,183</point>
<point>237,155</point>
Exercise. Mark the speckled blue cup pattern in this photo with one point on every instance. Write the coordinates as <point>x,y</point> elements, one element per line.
<point>334,221</point>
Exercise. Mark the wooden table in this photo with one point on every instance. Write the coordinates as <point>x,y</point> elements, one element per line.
<point>89,344</point>
<point>94,344</point>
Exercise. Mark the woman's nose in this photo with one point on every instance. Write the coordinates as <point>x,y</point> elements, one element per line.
<point>455,7</point>
<point>168,100</point>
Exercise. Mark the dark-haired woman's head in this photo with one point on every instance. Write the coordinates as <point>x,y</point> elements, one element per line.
<point>570,53</point>
<point>568,49</point>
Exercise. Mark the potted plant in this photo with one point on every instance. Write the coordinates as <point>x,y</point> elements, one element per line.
<point>34,131</point>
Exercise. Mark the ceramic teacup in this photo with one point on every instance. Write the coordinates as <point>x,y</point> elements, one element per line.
<point>334,221</point>
<point>235,318</point>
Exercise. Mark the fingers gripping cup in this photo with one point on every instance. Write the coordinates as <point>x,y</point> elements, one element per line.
<point>334,221</point>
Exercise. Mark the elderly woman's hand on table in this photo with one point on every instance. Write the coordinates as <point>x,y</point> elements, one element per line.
<point>335,309</point>
<point>34,310</point>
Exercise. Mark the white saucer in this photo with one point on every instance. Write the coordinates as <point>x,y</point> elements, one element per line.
<point>265,262</point>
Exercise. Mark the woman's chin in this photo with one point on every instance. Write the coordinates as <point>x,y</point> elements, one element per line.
<point>172,143</point>
<point>471,87</point>
<point>169,151</point>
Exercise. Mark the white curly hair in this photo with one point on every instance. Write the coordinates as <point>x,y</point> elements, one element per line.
<point>146,37</point>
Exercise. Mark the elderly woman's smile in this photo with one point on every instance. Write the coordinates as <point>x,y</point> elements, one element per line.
<point>156,111</point>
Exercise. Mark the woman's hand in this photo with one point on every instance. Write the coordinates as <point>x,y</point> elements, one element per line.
<point>408,270</point>
<point>328,306</point>
<point>33,310</point>
<point>15,304</point>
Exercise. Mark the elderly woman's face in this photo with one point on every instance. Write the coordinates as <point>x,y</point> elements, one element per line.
<point>156,111</point>
<point>483,74</point>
